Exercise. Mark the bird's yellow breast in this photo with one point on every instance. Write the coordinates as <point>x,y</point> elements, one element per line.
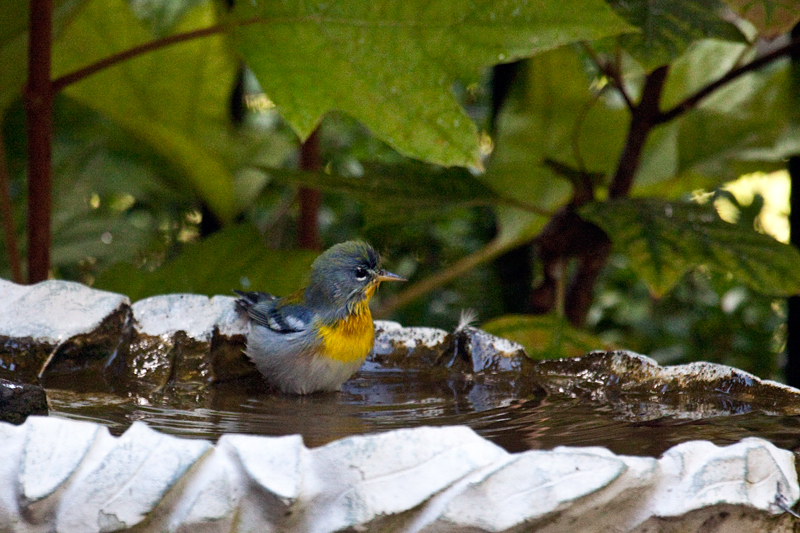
<point>350,339</point>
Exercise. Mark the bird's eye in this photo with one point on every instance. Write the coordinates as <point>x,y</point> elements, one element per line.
<point>361,273</point>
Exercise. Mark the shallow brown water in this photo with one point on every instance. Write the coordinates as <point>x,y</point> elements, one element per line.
<point>379,400</point>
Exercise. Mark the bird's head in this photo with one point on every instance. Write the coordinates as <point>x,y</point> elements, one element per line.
<point>346,274</point>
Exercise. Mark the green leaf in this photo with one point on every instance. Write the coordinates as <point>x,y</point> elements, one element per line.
<point>545,336</point>
<point>391,64</point>
<point>670,26</point>
<point>749,119</point>
<point>102,238</point>
<point>234,258</point>
<point>111,194</point>
<point>664,240</point>
<point>704,62</point>
<point>745,126</point>
<point>170,98</point>
<point>14,42</point>
<point>162,16</point>
<point>414,186</point>
<point>82,170</point>
<point>517,226</point>
<point>555,116</point>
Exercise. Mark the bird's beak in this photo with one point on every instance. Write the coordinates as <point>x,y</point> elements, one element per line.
<point>388,276</point>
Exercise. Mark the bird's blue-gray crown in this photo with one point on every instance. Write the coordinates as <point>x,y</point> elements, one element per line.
<point>341,274</point>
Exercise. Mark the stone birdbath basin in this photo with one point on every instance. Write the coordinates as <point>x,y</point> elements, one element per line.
<point>159,423</point>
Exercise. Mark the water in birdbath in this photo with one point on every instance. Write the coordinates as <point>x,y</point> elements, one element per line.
<point>177,363</point>
<point>616,400</point>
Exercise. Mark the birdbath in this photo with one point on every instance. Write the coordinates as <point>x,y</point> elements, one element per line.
<point>159,422</point>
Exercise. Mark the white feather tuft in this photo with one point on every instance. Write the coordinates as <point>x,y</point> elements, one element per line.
<point>468,317</point>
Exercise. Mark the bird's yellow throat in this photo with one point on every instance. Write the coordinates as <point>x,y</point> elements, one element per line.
<point>350,339</point>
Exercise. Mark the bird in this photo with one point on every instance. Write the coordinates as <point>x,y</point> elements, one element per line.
<point>316,338</point>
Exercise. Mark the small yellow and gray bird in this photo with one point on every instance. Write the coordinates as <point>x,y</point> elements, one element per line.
<point>316,338</point>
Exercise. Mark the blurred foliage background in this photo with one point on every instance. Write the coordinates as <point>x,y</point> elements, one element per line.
<point>563,169</point>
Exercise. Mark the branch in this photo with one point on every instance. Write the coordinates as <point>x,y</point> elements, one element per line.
<point>643,118</point>
<point>310,199</point>
<point>39,113</point>
<point>691,101</point>
<point>524,206</point>
<point>580,294</point>
<point>582,182</point>
<point>612,72</point>
<point>110,61</point>
<point>12,249</point>
<point>565,237</point>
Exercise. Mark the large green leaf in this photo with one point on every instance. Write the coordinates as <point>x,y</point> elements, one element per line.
<point>553,116</point>
<point>414,186</point>
<point>14,42</point>
<point>704,62</point>
<point>170,98</point>
<point>163,15</point>
<point>545,336</point>
<point>234,258</point>
<point>745,120</point>
<point>663,240</point>
<point>744,126</point>
<point>13,50</point>
<point>668,27</point>
<point>391,63</point>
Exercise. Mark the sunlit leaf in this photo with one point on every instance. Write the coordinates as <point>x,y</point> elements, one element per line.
<point>744,126</point>
<point>545,336</point>
<point>770,17</point>
<point>668,27</point>
<point>391,64</point>
<point>234,258</point>
<point>169,98</point>
<point>664,240</point>
<point>746,117</point>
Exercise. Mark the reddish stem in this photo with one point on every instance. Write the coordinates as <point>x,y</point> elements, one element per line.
<point>310,199</point>
<point>12,249</point>
<point>643,118</point>
<point>692,101</point>
<point>110,61</point>
<point>39,106</point>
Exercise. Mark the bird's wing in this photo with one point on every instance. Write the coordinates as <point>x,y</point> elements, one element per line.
<point>252,298</point>
<point>278,314</point>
